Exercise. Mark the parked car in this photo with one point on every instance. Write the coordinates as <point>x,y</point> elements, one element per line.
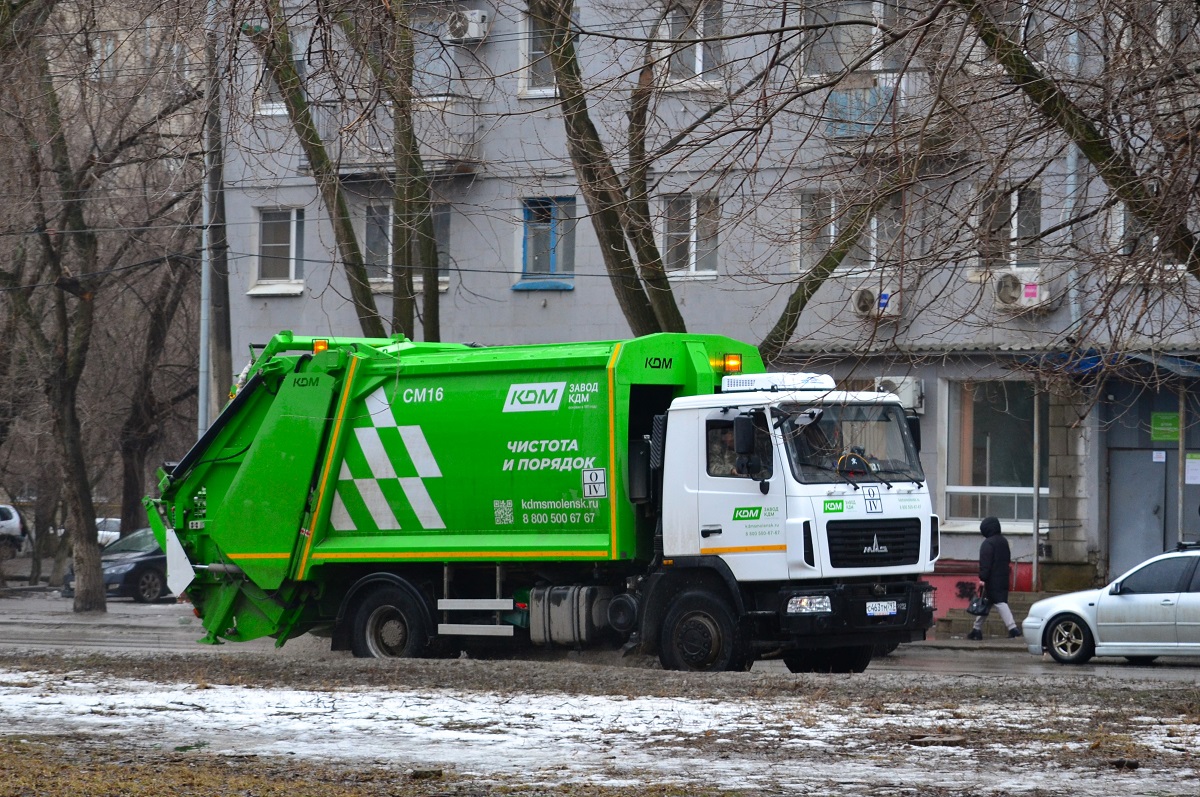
<point>108,530</point>
<point>12,532</point>
<point>1153,610</point>
<point>133,567</point>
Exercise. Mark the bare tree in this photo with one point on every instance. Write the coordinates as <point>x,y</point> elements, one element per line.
<point>383,40</point>
<point>94,209</point>
<point>274,44</point>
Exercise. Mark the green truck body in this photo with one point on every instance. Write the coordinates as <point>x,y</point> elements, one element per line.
<point>408,498</point>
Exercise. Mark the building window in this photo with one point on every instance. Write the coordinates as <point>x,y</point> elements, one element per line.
<point>815,229</point>
<point>1135,240</point>
<point>377,242</point>
<point>690,229</point>
<point>694,29</point>
<point>1010,225</point>
<point>840,33</point>
<point>1174,24</point>
<point>990,450</point>
<point>888,230</point>
<point>269,95</point>
<point>537,74</point>
<point>548,242</point>
<point>281,245</point>
<point>103,65</point>
<point>1023,25</point>
<point>883,242</point>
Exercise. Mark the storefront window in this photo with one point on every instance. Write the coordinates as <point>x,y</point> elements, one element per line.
<point>990,451</point>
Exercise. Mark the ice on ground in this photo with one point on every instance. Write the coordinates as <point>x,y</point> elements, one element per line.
<point>784,742</point>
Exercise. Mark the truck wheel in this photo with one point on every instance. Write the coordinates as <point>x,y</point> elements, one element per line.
<point>836,660</point>
<point>700,633</point>
<point>389,624</point>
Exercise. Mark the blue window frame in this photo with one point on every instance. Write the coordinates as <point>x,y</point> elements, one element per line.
<point>548,244</point>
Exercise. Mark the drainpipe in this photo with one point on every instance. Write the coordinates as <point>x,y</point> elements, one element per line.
<point>1179,476</point>
<point>1074,58</point>
<point>1037,486</point>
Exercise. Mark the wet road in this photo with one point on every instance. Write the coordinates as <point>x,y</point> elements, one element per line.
<point>41,620</point>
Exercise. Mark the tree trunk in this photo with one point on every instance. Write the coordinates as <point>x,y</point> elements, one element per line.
<point>414,244</point>
<point>594,170</point>
<point>220,337</point>
<point>275,47</point>
<point>140,431</point>
<point>1114,167</point>
<point>779,336</point>
<point>90,593</point>
<point>636,217</point>
<point>65,349</point>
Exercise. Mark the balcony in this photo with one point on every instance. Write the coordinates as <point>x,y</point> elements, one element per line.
<point>871,104</point>
<point>447,127</point>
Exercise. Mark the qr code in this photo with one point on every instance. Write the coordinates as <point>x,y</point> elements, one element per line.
<point>504,512</point>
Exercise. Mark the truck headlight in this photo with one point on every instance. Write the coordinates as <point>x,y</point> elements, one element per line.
<point>809,604</point>
<point>927,599</point>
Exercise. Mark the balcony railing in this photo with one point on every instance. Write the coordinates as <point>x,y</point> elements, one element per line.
<point>447,128</point>
<point>871,103</point>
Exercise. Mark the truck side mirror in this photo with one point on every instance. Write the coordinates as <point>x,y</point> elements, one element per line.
<point>743,434</point>
<point>914,430</point>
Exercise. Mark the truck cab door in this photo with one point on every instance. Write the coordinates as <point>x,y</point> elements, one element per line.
<point>736,519</point>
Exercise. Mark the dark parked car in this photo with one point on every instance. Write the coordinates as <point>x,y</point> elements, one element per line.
<point>134,567</point>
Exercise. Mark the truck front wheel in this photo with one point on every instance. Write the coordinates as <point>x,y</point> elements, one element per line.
<point>700,633</point>
<point>389,624</point>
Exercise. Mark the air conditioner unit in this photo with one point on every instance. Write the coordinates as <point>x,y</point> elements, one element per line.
<point>1020,289</point>
<point>909,389</point>
<point>877,299</point>
<point>466,26</point>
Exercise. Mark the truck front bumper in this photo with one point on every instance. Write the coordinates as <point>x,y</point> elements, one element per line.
<point>902,611</point>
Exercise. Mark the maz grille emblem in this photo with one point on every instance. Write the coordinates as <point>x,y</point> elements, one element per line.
<point>875,547</point>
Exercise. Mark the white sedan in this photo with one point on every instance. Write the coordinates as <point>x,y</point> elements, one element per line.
<point>1151,611</point>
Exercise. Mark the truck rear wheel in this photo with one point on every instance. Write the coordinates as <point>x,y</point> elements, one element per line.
<point>389,624</point>
<point>839,660</point>
<point>700,633</point>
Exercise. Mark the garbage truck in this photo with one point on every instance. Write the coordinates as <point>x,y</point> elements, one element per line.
<point>662,495</point>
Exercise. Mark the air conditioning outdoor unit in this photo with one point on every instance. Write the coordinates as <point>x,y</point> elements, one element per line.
<point>877,299</point>
<point>466,26</point>
<point>909,389</point>
<point>1020,289</point>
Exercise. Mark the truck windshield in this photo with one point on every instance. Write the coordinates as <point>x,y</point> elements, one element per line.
<point>849,442</point>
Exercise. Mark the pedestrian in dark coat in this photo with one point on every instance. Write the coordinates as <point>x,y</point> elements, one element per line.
<point>995,564</point>
<point>994,561</point>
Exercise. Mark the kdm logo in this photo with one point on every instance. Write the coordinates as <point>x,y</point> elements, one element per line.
<point>835,506</point>
<point>747,513</point>
<point>535,397</point>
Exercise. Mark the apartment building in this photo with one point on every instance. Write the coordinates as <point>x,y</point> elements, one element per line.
<point>990,275</point>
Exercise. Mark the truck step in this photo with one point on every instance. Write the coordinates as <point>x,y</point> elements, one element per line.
<point>470,629</point>
<point>475,604</point>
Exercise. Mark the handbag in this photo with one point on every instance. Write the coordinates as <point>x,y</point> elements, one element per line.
<point>979,606</point>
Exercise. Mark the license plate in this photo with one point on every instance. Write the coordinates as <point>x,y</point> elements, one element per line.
<point>881,608</point>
